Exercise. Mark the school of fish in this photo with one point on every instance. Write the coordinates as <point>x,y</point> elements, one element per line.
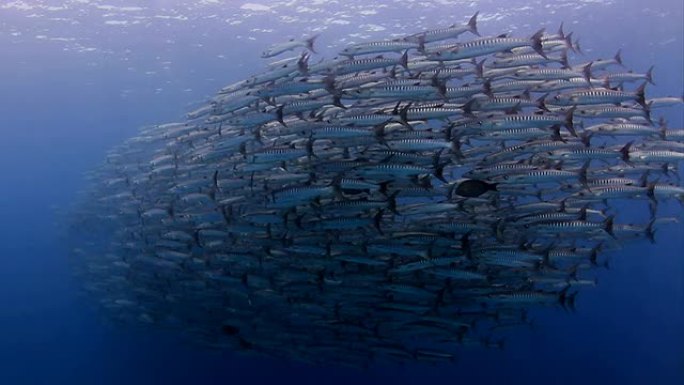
<point>399,202</point>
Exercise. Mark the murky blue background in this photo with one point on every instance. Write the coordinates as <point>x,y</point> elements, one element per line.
<point>78,77</point>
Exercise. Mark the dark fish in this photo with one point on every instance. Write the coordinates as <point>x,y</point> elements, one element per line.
<point>472,188</point>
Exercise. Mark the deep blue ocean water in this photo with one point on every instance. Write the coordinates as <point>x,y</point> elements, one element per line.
<point>79,77</point>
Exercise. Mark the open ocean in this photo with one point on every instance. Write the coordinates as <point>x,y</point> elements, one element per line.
<point>79,77</point>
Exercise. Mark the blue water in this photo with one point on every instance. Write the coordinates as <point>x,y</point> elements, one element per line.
<point>78,77</point>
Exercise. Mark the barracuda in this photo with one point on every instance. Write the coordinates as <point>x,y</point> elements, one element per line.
<point>624,129</point>
<point>489,45</point>
<point>655,156</point>
<point>526,121</point>
<point>523,60</point>
<point>600,96</point>
<point>358,65</point>
<point>277,49</point>
<point>379,47</point>
<point>451,32</point>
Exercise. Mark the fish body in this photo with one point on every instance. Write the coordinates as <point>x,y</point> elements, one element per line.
<point>487,46</point>
<point>451,32</point>
<point>290,45</point>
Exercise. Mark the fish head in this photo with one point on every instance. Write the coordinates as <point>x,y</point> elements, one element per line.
<point>349,51</point>
<point>585,193</point>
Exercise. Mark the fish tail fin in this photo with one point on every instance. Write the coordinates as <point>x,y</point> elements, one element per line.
<point>456,148</point>
<point>329,84</point>
<point>257,136</point>
<point>303,63</point>
<point>479,68</point>
<point>434,80</point>
<point>647,112</point>
<point>650,192</point>
<point>310,43</point>
<point>337,102</point>
<point>663,129</point>
<point>586,72</point>
<point>439,172</point>
<point>403,116</point>
<point>624,151</point>
<point>560,32</point>
<point>392,202</point>
<point>468,108</point>
<point>525,95</point>
<point>472,24</point>
<point>403,61</point>
<point>537,43</point>
<point>583,177</point>
<point>279,115</point>
<point>643,179</point>
<point>583,213</point>
<point>383,187</point>
<point>577,47</point>
<point>618,58</point>
<point>568,42</point>
<point>569,124</point>
<point>487,88</point>
<point>593,259</point>
<point>650,231</point>
<point>310,147</point>
<point>395,110</point>
<point>393,73</point>
<point>608,225</point>
<point>567,301</point>
<point>564,59</point>
<point>546,257</point>
<point>541,102</point>
<point>448,131</point>
<point>585,138</point>
<point>499,229</point>
<point>214,181</point>
<point>640,94</point>
<point>513,110</point>
<point>555,133</point>
<point>441,88</point>
<point>421,44</point>
<point>379,132</point>
<point>649,75</point>
<point>563,296</point>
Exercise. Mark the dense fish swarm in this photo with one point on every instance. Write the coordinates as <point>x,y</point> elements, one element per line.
<point>404,199</point>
